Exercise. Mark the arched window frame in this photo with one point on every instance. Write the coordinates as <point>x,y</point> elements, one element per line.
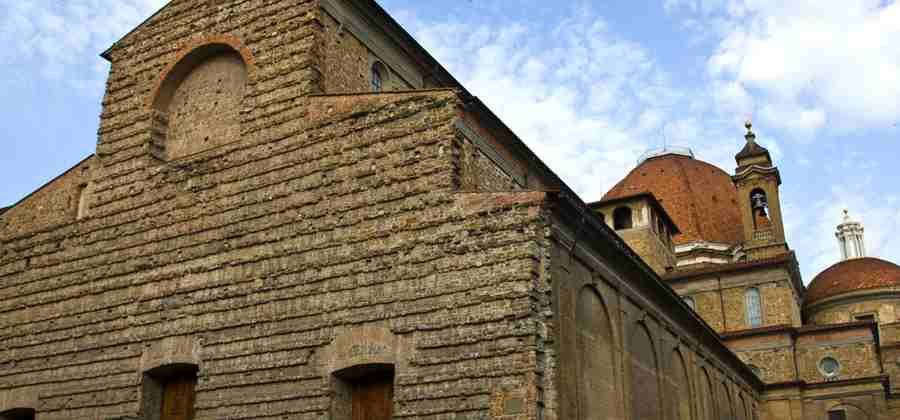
<point>623,218</point>
<point>753,307</point>
<point>757,207</point>
<point>379,76</point>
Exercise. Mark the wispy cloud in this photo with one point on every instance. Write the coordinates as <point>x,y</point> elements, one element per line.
<point>589,103</point>
<point>808,64</point>
<point>62,39</point>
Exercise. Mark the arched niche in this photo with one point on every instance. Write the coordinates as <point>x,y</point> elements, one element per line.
<point>682,395</point>
<point>198,101</point>
<point>726,407</point>
<point>644,368</point>
<point>596,372</point>
<point>707,395</point>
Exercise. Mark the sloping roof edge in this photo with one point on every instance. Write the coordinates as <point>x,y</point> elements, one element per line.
<point>45,185</point>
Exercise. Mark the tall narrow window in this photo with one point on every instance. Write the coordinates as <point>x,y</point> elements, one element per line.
<point>379,76</point>
<point>82,202</point>
<point>759,204</point>
<point>18,414</point>
<point>753,304</point>
<point>622,218</point>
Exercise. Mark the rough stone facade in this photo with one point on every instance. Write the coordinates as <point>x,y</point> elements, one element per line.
<point>322,231</point>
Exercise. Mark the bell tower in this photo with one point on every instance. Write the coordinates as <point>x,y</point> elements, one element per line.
<point>758,181</point>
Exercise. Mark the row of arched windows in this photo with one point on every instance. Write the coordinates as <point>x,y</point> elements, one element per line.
<point>652,390</point>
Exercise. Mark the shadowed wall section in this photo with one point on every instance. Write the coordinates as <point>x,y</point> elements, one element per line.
<point>644,380</point>
<point>597,382</point>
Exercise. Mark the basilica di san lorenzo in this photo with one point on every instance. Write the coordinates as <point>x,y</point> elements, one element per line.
<point>294,212</point>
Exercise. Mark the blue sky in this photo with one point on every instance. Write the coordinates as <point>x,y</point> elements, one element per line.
<point>589,85</point>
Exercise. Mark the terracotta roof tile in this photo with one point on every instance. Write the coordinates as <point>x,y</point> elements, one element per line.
<point>699,197</point>
<point>852,275</point>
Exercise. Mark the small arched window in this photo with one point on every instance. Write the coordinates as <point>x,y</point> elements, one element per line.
<point>622,218</point>
<point>690,302</point>
<point>759,206</point>
<point>753,303</point>
<point>379,76</point>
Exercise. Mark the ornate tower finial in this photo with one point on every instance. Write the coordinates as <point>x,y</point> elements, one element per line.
<point>750,136</point>
<point>851,238</point>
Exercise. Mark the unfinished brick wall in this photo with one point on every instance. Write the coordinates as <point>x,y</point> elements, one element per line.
<point>262,253</point>
<point>329,217</point>
<point>57,203</point>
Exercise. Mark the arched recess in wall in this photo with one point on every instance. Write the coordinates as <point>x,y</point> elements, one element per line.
<point>682,396</point>
<point>597,375</point>
<point>645,393</point>
<point>709,402</point>
<point>197,105</point>
<point>726,408</point>
<point>743,410</point>
<point>850,412</point>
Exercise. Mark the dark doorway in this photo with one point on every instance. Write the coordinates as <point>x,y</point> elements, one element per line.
<point>178,397</point>
<point>373,397</point>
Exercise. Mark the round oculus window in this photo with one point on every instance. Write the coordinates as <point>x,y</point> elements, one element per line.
<point>829,367</point>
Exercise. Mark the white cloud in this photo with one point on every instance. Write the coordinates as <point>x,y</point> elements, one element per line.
<point>810,64</point>
<point>814,235</point>
<point>589,104</point>
<point>63,39</point>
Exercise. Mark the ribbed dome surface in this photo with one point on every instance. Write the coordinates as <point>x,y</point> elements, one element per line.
<point>852,275</point>
<point>700,197</point>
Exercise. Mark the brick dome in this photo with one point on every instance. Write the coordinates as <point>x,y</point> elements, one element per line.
<point>699,197</point>
<point>852,275</point>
